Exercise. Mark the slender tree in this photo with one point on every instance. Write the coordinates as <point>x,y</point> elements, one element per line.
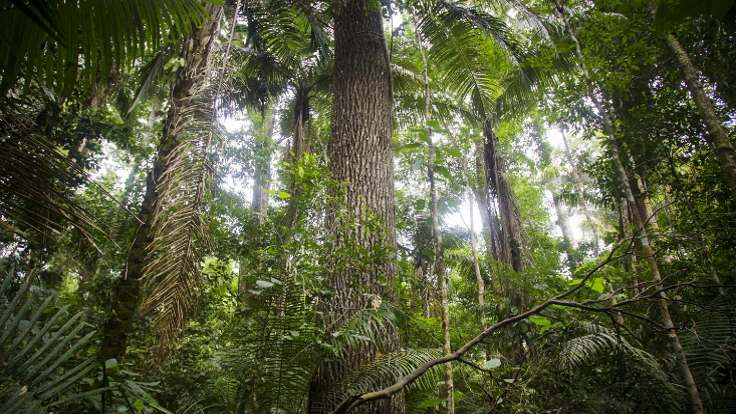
<point>263,149</point>
<point>640,223</point>
<point>717,135</point>
<point>438,266</point>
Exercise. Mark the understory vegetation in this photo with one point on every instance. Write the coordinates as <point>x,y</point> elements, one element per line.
<point>362,206</point>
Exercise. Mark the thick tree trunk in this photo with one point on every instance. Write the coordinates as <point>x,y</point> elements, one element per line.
<point>262,171</point>
<point>126,293</point>
<point>718,137</point>
<point>647,251</point>
<point>363,226</point>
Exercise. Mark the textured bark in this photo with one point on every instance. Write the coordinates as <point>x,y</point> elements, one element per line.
<point>361,157</point>
<point>487,214</point>
<point>262,171</point>
<point>126,293</point>
<point>640,225</point>
<point>717,135</point>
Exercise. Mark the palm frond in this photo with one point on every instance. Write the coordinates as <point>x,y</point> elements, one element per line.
<point>710,347</point>
<point>36,352</point>
<point>38,178</point>
<point>386,370</point>
<point>85,39</point>
<point>276,363</point>
<point>178,233</point>
<point>597,341</point>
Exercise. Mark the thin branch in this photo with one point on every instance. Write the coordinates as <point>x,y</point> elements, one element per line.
<point>387,392</point>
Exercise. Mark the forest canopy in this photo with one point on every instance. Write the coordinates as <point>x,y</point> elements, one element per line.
<point>363,206</point>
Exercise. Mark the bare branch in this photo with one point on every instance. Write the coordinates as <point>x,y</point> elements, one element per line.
<point>387,392</point>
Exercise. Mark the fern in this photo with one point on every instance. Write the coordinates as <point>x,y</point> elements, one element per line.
<point>598,341</point>
<point>710,347</point>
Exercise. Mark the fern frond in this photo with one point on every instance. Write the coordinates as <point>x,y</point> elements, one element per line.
<point>38,177</point>
<point>597,341</point>
<point>710,347</point>
<point>387,369</point>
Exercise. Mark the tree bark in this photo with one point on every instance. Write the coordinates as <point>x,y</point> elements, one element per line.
<point>362,221</point>
<point>510,234</point>
<point>487,214</point>
<point>717,135</point>
<point>126,292</point>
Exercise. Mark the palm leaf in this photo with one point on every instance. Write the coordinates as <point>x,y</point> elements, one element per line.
<point>63,42</point>
<point>36,353</point>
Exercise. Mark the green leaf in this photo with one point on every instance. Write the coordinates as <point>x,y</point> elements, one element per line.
<point>540,321</point>
<point>598,285</point>
<point>111,363</point>
<point>443,171</point>
<point>430,403</point>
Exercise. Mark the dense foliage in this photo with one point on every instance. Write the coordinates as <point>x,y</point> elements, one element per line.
<point>415,206</point>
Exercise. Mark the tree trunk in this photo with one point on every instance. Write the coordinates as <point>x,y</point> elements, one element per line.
<point>476,265</point>
<point>126,293</point>
<point>510,246</point>
<point>696,402</point>
<point>299,147</point>
<point>362,225</point>
<point>438,267</point>
<point>718,137</point>
<point>487,214</point>
<point>262,170</point>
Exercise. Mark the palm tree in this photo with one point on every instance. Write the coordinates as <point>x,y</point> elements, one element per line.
<point>51,51</point>
<point>163,245</point>
<point>473,49</point>
<point>64,44</point>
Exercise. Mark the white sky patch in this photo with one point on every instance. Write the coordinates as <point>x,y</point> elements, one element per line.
<point>576,221</point>
<point>111,162</point>
<point>235,123</point>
